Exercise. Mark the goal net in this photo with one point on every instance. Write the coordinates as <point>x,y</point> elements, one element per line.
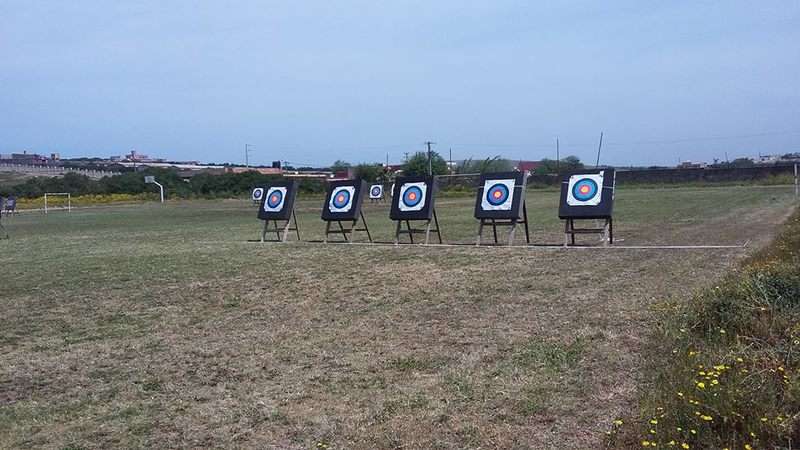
<point>55,201</point>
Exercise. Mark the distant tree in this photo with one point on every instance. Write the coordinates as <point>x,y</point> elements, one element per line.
<point>742,162</point>
<point>340,165</point>
<point>495,164</point>
<point>552,166</point>
<point>418,164</point>
<point>369,172</point>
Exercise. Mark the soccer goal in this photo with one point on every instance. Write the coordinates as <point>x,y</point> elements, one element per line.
<point>62,200</point>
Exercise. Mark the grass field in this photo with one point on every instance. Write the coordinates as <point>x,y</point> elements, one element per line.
<point>164,326</point>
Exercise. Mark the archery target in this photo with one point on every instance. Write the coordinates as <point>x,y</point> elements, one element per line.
<point>258,193</point>
<point>342,199</point>
<point>412,196</point>
<point>376,191</point>
<point>275,198</point>
<point>585,190</point>
<point>498,195</point>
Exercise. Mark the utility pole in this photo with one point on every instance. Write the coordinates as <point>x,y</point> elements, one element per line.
<point>450,169</point>
<point>558,159</point>
<point>405,157</point>
<point>598,150</point>
<point>430,164</point>
<point>247,155</point>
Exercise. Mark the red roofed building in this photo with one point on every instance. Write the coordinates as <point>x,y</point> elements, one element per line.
<point>527,166</point>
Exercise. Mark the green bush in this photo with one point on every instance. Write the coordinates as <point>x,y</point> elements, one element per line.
<point>724,366</point>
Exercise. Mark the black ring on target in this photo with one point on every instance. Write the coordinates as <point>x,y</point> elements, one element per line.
<point>412,196</point>
<point>376,191</point>
<point>341,198</point>
<point>584,189</point>
<point>275,199</point>
<point>497,194</point>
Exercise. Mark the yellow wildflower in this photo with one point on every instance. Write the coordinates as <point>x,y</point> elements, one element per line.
<point>701,385</point>
<point>684,445</point>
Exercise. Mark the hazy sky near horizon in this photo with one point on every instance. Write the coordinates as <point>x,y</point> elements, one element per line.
<point>315,81</point>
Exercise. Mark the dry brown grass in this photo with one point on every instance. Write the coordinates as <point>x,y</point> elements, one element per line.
<point>181,342</point>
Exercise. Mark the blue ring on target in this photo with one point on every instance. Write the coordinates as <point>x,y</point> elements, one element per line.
<point>275,199</point>
<point>341,199</point>
<point>410,201</point>
<point>376,190</point>
<point>497,194</point>
<point>584,189</point>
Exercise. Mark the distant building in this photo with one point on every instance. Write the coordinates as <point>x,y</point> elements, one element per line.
<point>23,158</point>
<point>691,165</point>
<point>261,170</point>
<point>137,157</point>
<point>527,166</point>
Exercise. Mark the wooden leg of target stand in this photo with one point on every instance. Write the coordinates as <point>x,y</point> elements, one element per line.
<point>566,232</point>
<point>286,231</point>
<point>296,225</point>
<point>366,227</point>
<point>427,231</point>
<point>511,233</point>
<point>397,234</point>
<point>341,230</point>
<point>572,230</point>
<point>264,231</point>
<point>410,232</point>
<point>494,231</point>
<point>480,233</point>
<point>438,229</point>
<point>610,230</point>
<point>525,214</point>
<point>327,231</point>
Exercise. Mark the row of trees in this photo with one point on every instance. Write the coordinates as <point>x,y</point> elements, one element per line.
<point>418,164</point>
<point>237,184</point>
<point>201,185</point>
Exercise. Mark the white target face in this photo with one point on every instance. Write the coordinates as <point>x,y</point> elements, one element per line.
<point>276,196</point>
<point>412,196</point>
<point>376,191</point>
<point>258,194</point>
<point>341,199</point>
<point>585,190</point>
<point>498,195</point>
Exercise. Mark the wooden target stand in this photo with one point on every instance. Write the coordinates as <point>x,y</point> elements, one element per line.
<point>281,231</point>
<point>410,230</point>
<point>347,231</point>
<point>607,230</point>
<point>505,222</point>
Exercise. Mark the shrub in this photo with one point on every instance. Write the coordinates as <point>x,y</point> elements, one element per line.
<point>725,366</point>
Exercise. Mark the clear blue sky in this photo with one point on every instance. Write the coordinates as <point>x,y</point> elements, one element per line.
<point>311,82</point>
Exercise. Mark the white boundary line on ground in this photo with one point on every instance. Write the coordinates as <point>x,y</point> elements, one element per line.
<point>515,247</point>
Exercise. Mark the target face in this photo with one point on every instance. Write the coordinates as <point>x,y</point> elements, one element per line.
<point>585,190</point>
<point>412,196</point>
<point>376,191</point>
<point>258,193</point>
<point>498,195</point>
<point>341,199</point>
<point>275,198</point>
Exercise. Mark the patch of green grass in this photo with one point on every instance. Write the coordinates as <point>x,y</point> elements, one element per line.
<point>553,356</point>
<point>723,367</point>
